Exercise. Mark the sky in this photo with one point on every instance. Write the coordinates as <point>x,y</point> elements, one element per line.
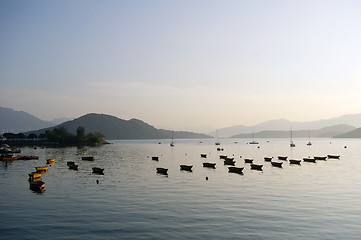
<point>197,64</point>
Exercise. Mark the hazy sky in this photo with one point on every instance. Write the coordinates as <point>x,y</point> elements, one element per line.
<point>178,64</point>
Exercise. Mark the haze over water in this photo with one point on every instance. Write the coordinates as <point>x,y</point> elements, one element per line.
<point>312,201</point>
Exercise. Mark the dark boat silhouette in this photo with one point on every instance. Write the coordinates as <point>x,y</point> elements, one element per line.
<point>238,170</point>
<point>203,155</point>
<point>292,161</point>
<point>247,160</point>
<point>277,164</point>
<point>155,158</point>
<point>268,159</point>
<point>282,158</point>
<point>256,167</point>
<point>163,171</point>
<point>209,165</point>
<point>333,156</point>
<point>229,161</point>
<point>320,158</point>
<point>309,160</point>
<point>98,170</point>
<point>186,168</point>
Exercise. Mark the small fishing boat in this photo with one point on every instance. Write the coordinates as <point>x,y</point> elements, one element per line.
<point>163,171</point>
<point>256,167</point>
<point>209,165</point>
<point>41,169</point>
<point>37,186</point>
<point>238,170</point>
<point>203,155</point>
<point>292,161</point>
<point>9,157</point>
<point>319,158</point>
<point>282,158</point>
<point>186,168</point>
<point>309,160</point>
<point>333,156</point>
<point>70,163</point>
<point>34,175</point>
<point>88,158</point>
<point>268,159</point>
<point>229,161</point>
<point>222,156</point>
<point>98,170</point>
<point>277,164</point>
<point>247,160</point>
<point>50,161</point>
<point>28,157</point>
<point>155,158</point>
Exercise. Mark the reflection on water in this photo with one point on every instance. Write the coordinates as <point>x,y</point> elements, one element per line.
<point>131,201</point>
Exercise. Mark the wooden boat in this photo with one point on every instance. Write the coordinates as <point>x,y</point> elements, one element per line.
<point>70,163</point>
<point>88,158</point>
<point>334,156</point>
<point>309,160</point>
<point>229,159</point>
<point>282,158</point>
<point>222,156</point>
<point>28,157</point>
<point>155,158</point>
<point>247,160</point>
<point>74,167</point>
<point>37,185</point>
<point>268,159</point>
<point>50,161</point>
<point>186,168</point>
<point>98,170</point>
<point>209,165</point>
<point>34,175</point>
<point>41,169</point>
<point>203,155</point>
<point>9,158</point>
<point>229,162</point>
<point>292,161</point>
<point>162,171</point>
<point>238,170</point>
<point>277,164</point>
<point>256,167</point>
<point>319,158</point>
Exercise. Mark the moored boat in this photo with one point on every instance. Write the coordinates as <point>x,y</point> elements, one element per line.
<point>282,158</point>
<point>333,156</point>
<point>28,157</point>
<point>98,170</point>
<point>238,170</point>
<point>34,175</point>
<point>229,161</point>
<point>50,161</point>
<point>309,160</point>
<point>163,171</point>
<point>293,161</point>
<point>203,155</point>
<point>186,168</point>
<point>256,167</point>
<point>222,156</point>
<point>9,157</point>
<point>88,158</point>
<point>37,185</point>
<point>248,160</point>
<point>41,169</point>
<point>277,164</point>
<point>319,158</point>
<point>268,159</point>
<point>209,165</point>
<point>155,158</point>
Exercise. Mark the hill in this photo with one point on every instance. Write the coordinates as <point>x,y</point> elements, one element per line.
<point>19,121</point>
<point>320,133</point>
<point>356,133</point>
<point>115,128</point>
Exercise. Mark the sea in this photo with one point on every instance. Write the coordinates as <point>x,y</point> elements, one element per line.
<point>131,200</point>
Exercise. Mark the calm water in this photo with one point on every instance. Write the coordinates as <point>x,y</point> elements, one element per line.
<point>313,201</point>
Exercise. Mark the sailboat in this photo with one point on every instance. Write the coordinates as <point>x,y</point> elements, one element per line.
<point>253,141</point>
<point>309,141</point>
<point>292,144</point>
<point>172,142</point>
<point>217,142</point>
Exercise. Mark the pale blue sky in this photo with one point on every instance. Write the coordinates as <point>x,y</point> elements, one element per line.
<point>182,64</point>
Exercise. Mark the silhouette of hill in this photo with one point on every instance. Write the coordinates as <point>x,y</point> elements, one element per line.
<point>356,133</point>
<point>327,132</point>
<point>115,128</point>
<point>19,121</point>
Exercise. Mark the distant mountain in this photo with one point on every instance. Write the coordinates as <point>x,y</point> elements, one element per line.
<point>286,125</point>
<point>19,121</point>
<point>356,133</point>
<point>327,132</point>
<point>57,121</point>
<point>115,128</point>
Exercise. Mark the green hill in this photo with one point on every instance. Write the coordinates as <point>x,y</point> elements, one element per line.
<point>115,128</point>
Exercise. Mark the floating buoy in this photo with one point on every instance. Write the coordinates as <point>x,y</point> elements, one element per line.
<point>207,178</point>
<point>97,181</point>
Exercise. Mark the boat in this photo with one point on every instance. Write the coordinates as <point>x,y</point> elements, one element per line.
<point>247,160</point>
<point>309,141</point>
<point>203,155</point>
<point>37,186</point>
<point>34,175</point>
<point>209,165</point>
<point>41,169</point>
<point>309,160</point>
<point>229,162</point>
<point>70,163</point>
<point>9,157</point>
<point>256,167</point>
<point>320,158</point>
<point>98,170</point>
<point>217,143</point>
<point>253,141</point>
<point>292,144</point>
<point>50,161</point>
<point>292,161</point>
<point>268,159</point>
<point>74,167</point>
<point>28,157</point>
<point>155,158</point>
<point>333,156</point>
<point>229,158</point>
<point>163,171</point>
<point>282,158</point>
<point>172,142</point>
<point>277,164</point>
<point>238,170</point>
<point>88,158</point>
<point>222,156</point>
<point>186,168</point>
